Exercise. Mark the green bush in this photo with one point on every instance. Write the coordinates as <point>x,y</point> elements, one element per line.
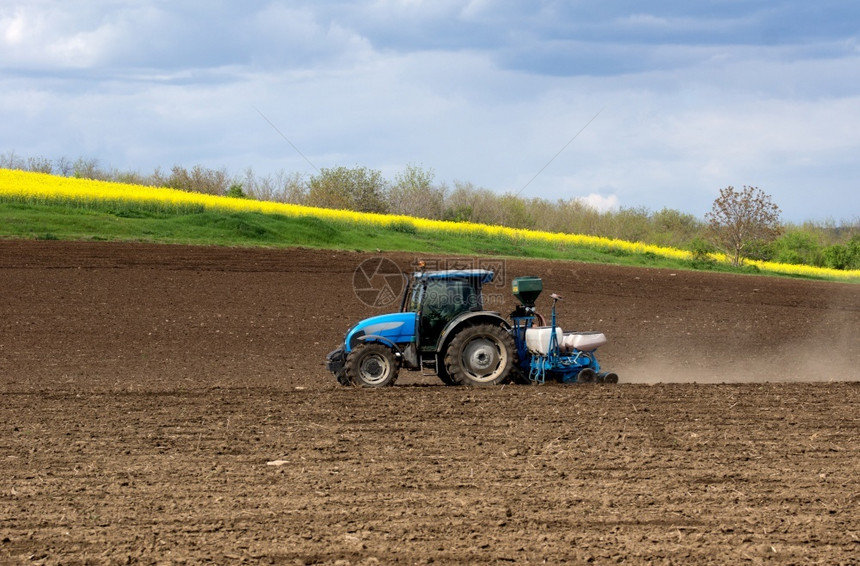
<point>702,250</point>
<point>847,256</point>
<point>797,247</point>
<point>235,191</point>
<point>359,189</point>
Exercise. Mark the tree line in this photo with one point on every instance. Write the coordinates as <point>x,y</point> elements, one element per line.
<point>414,191</point>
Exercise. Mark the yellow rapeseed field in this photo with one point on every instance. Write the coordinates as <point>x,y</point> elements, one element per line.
<point>23,186</point>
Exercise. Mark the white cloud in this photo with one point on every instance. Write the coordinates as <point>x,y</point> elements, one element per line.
<point>296,38</point>
<point>599,202</point>
<point>72,35</point>
<point>13,28</point>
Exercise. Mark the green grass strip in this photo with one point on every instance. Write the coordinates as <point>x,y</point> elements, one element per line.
<point>34,205</point>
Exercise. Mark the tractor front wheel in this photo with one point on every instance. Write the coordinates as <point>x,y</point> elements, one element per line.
<point>372,365</point>
<point>342,378</point>
<point>481,355</point>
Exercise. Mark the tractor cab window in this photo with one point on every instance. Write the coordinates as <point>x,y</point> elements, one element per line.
<point>415,298</point>
<point>442,301</point>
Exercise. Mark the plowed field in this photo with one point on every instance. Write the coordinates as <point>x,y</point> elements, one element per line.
<point>168,405</point>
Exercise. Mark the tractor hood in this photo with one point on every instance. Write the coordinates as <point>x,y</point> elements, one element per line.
<point>398,328</point>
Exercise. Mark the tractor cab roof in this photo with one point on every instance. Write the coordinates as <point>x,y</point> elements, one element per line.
<point>483,275</point>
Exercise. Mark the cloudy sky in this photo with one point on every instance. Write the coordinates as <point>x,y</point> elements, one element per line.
<point>677,99</point>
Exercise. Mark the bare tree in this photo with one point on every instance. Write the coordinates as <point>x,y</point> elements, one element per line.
<point>199,180</point>
<point>741,218</point>
<point>292,187</point>
<point>40,165</point>
<point>12,161</point>
<point>414,194</point>
<point>64,167</point>
<point>89,169</point>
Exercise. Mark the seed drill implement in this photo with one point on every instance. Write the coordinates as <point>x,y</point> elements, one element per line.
<point>442,329</point>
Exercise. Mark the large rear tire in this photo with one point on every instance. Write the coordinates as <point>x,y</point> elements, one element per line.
<point>481,355</point>
<point>442,373</point>
<point>372,365</point>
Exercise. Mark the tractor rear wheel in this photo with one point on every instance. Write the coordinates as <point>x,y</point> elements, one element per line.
<point>372,365</point>
<point>481,355</point>
<point>444,376</point>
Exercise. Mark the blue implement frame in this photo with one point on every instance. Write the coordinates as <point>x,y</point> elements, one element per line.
<point>566,368</point>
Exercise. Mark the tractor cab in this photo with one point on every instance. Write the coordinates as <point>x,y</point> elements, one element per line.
<point>440,297</point>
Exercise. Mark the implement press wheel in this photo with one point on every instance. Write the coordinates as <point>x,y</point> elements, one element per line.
<point>586,375</point>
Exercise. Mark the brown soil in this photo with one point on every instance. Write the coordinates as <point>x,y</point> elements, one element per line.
<point>168,404</point>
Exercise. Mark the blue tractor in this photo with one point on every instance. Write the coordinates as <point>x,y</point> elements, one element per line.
<point>443,328</point>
